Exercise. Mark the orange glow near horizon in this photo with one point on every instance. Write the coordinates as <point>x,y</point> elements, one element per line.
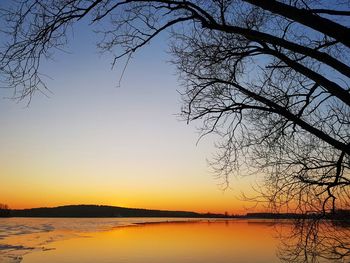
<point>214,203</point>
<point>198,197</point>
<point>149,188</point>
<point>177,182</point>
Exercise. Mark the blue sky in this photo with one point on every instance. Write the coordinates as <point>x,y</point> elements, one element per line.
<point>91,141</point>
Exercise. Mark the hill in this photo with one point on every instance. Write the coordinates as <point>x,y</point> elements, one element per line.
<point>103,211</point>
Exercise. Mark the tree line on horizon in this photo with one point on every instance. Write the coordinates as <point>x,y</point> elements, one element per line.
<point>104,211</point>
<point>4,210</point>
<point>115,211</point>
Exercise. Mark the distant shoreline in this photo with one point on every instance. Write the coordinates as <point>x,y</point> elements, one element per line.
<point>102,211</point>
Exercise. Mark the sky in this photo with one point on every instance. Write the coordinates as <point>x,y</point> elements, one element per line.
<point>92,142</point>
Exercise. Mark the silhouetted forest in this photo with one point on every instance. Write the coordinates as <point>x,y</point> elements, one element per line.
<point>104,211</point>
<point>4,210</point>
<point>115,211</point>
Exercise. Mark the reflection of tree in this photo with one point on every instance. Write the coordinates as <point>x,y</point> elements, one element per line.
<point>315,240</point>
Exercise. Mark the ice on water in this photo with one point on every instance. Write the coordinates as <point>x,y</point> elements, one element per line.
<point>19,236</point>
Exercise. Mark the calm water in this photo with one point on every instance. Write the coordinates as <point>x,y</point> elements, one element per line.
<point>125,240</point>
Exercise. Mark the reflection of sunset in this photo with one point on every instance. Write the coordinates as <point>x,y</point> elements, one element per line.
<point>234,241</point>
<point>69,240</point>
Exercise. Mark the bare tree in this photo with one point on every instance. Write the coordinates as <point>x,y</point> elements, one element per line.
<point>4,210</point>
<point>271,78</point>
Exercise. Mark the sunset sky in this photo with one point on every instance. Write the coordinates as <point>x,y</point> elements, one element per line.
<point>91,142</point>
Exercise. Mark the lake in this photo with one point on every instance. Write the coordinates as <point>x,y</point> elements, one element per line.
<point>136,240</point>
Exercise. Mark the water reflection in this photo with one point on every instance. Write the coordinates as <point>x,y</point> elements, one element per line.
<point>20,236</point>
<point>315,241</point>
<point>235,241</point>
<point>139,240</point>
